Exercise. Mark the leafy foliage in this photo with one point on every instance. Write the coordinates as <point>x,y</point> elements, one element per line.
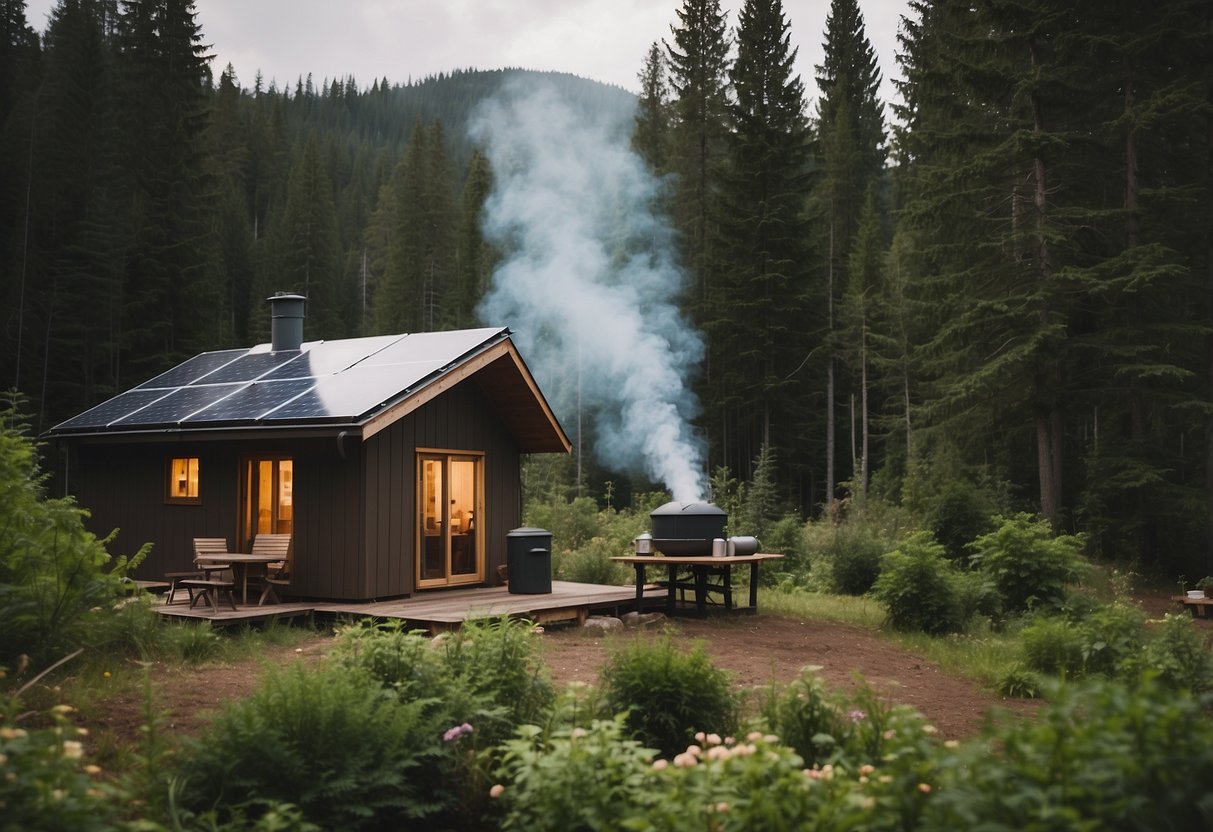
<point>920,587</point>
<point>332,741</point>
<point>53,571</point>
<point>1029,565</point>
<point>669,692</point>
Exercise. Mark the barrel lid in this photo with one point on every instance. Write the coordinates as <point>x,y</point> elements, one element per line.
<point>527,531</point>
<point>695,509</point>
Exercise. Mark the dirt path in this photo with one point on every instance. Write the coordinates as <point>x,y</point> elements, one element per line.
<point>759,649</point>
<point>756,650</point>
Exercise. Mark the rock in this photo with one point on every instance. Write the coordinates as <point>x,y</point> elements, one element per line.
<point>642,619</point>
<point>604,622</point>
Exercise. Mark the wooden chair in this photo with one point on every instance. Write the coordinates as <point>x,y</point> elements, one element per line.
<point>203,546</point>
<point>277,574</point>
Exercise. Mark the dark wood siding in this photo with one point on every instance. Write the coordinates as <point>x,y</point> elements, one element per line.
<point>354,501</point>
<point>459,420</point>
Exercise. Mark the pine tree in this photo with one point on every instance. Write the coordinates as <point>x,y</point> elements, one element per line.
<point>850,133</point>
<point>858,319</point>
<point>764,235</point>
<point>476,256</point>
<point>651,135</point>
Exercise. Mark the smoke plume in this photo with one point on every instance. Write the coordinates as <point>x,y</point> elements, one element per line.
<point>589,282</point>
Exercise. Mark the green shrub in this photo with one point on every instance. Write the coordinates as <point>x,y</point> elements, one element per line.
<point>669,691</point>
<point>786,538</point>
<point>958,515</point>
<point>331,741</point>
<point>1178,654</point>
<point>1021,683</point>
<point>1028,564</point>
<point>1112,635</point>
<point>807,718</point>
<point>573,779</point>
<point>1103,755</point>
<point>53,572</point>
<point>592,564</point>
<point>1053,645</point>
<point>919,587</point>
<point>572,524</point>
<point>46,780</point>
<point>855,557</point>
<point>195,642</point>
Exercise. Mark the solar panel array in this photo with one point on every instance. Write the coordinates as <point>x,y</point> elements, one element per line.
<point>324,381</point>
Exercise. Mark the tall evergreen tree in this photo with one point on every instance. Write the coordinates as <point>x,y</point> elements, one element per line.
<point>850,134</point>
<point>476,256</point>
<point>651,136</point>
<point>764,234</point>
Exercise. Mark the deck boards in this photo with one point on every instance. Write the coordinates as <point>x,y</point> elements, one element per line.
<point>568,601</point>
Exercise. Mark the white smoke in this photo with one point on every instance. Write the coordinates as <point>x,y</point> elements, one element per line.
<point>589,283</point>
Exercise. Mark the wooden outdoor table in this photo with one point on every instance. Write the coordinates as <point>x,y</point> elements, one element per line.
<point>700,567</point>
<point>1199,607</point>
<point>240,565</point>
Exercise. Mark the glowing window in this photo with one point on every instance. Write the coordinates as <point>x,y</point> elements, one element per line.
<point>183,480</point>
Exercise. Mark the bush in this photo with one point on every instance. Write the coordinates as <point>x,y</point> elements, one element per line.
<point>53,571</point>
<point>1053,645</point>
<point>1029,566</point>
<point>855,557</point>
<point>1112,635</point>
<point>807,718</point>
<point>332,741</point>
<point>46,781</point>
<point>573,779</point>
<point>1178,654</point>
<point>1103,755</point>
<point>592,564</point>
<point>958,515</point>
<point>669,692</point>
<point>920,588</point>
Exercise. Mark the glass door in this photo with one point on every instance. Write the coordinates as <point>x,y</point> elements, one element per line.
<point>450,549</point>
<point>268,498</point>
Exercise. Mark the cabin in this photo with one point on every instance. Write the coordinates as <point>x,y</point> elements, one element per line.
<point>393,461</point>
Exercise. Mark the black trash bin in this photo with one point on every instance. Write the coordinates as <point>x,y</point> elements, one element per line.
<point>529,558</point>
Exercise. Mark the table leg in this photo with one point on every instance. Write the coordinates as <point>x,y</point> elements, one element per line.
<point>728,589</point>
<point>670,590</point>
<point>754,586</point>
<point>640,587</point>
<point>701,589</point>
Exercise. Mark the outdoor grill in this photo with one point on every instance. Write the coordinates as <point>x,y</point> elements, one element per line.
<point>687,528</point>
<point>692,529</point>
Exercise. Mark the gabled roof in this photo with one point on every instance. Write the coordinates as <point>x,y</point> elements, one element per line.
<point>361,383</point>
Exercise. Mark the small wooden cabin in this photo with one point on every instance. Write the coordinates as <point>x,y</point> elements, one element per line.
<point>393,461</point>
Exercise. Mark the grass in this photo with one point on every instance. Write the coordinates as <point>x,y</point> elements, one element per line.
<point>980,654</point>
<point>822,606</point>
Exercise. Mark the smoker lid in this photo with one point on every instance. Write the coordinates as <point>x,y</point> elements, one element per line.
<point>695,509</point>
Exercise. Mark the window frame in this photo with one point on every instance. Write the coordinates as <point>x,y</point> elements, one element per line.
<point>170,465</point>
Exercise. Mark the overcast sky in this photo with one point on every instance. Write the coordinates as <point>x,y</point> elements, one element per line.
<point>401,39</point>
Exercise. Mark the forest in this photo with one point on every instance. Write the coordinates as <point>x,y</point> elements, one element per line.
<point>999,282</point>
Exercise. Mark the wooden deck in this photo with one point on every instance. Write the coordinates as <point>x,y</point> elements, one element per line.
<point>444,610</point>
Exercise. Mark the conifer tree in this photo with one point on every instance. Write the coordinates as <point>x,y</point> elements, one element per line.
<point>764,235</point>
<point>651,136</point>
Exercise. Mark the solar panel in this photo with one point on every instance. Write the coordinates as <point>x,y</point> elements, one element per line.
<point>328,357</point>
<point>192,370</point>
<point>355,392</point>
<point>443,347</point>
<point>252,401</point>
<point>111,411</point>
<point>178,404</point>
<point>250,366</point>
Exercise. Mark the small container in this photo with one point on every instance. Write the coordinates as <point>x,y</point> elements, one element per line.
<point>644,544</point>
<point>741,546</point>
<point>718,547</point>
<point>1196,593</point>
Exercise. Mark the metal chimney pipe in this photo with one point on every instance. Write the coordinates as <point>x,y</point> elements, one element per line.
<point>286,321</point>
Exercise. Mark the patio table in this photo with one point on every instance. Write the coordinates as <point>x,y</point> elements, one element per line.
<point>241,564</point>
<point>700,567</point>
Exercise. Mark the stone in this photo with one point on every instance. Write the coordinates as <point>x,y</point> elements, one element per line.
<point>604,622</point>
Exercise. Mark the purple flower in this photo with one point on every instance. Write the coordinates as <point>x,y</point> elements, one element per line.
<point>455,733</point>
<point>857,715</point>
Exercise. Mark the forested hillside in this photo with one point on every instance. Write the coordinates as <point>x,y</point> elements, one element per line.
<point>1006,289</point>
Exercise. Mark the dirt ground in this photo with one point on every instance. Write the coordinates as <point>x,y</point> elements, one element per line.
<point>754,649</point>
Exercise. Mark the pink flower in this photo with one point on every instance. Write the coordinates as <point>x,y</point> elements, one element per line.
<point>857,715</point>
<point>455,733</point>
<point>496,791</point>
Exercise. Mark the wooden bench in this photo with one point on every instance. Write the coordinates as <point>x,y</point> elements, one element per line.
<point>211,589</point>
<point>1199,607</point>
